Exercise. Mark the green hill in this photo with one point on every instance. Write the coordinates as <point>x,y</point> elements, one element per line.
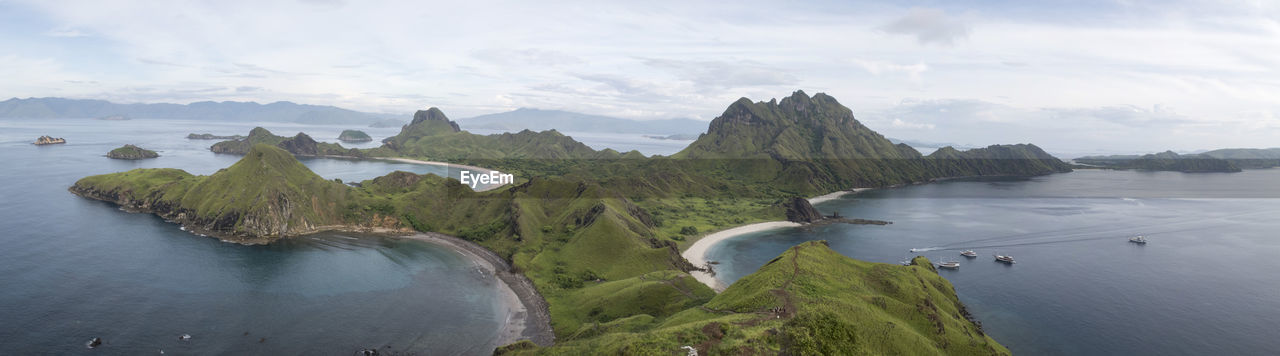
<point>433,136</point>
<point>300,144</point>
<point>808,301</point>
<point>354,136</point>
<point>268,194</point>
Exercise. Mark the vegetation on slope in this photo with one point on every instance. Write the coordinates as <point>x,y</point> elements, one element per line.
<point>808,301</point>
<point>266,195</point>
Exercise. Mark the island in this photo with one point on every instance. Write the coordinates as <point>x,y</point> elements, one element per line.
<point>131,152</point>
<point>599,234</point>
<point>1163,161</point>
<point>208,136</point>
<point>354,136</point>
<point>300,144</point>
<point>49,140</point>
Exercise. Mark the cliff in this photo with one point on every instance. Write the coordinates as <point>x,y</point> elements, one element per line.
<point>132,152</point>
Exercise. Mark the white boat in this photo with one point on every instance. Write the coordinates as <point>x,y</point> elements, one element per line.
<point>969,253</point>
<point>1005,259</point>
<point>950,265</point>
<point>1141,240</point>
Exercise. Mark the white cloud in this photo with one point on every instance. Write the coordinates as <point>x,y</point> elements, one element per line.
<point>929,26</point>
<point>1215,61</point>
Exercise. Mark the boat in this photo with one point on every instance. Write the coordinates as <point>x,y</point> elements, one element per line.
<point>969,253</point>
<point>1005,259</point>
<point>1141,240</point>
<point>950,265</point>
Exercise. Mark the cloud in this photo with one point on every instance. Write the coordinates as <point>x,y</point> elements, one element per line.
<point>929,26</point>
<point>246,89</point>
<point>724,75</point>
<point>878,67</point>
<point>903,124</point>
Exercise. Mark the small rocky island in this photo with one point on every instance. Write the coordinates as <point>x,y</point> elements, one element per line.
<point>354,136</point>
<point>48,140</point>
<point>208,136</point>
<point>132,152</point>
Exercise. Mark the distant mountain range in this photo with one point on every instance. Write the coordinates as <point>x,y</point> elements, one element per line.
<point>1221,160</point>
<point>280,111</point>
<point>541,120</point>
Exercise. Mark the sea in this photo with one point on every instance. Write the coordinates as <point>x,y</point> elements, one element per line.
<point>1206,283</point>
<point>72,269</point>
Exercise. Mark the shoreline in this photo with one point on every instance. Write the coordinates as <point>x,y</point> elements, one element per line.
<point>696,254</point>
<point>528,316</point>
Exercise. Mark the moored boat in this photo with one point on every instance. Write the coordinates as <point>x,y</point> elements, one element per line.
<point>1005,259</point>
<point>969,253</point>
<point>950,265</point>
<point>1141,240</point>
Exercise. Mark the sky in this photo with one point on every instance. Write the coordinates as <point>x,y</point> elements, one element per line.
<point>1071,76</point>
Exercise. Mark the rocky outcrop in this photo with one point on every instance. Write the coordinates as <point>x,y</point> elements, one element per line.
<point>799,210</point>
<point>48,140</point>
<point>132,152</point>
<point>300,144</point>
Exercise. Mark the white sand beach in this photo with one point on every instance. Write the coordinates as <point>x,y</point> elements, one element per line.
<point>697,253</point>
<point>836,195</point>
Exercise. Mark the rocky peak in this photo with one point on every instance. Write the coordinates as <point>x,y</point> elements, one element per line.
<point>433,114</point>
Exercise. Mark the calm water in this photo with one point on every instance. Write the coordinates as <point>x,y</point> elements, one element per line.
<point>1208,283</point>
<point>73,269</point>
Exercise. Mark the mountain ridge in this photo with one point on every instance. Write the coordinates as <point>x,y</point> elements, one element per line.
<point>279,111</point>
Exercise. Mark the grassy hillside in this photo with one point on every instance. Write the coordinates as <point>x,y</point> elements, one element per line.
<point>266,195</point>
<point>432,135</point>
<point>808,301</point>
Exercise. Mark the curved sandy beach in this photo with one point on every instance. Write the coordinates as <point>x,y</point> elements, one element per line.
<point>527,316</point>
<point>697,253</point>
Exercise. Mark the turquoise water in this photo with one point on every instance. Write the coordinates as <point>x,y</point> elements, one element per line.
<point>73,269</point>
<point>1206,284</point>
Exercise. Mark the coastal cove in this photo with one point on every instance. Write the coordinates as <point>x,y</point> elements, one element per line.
<point>1079,287</point>
<point>138,282</point>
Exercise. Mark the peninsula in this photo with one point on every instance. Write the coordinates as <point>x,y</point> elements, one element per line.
<point>599,234</point>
